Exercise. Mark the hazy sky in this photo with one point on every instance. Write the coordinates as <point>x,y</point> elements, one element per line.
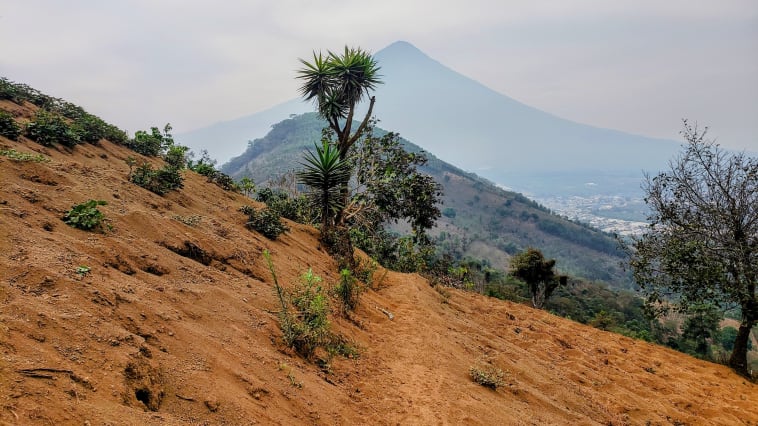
<point>637,66</point>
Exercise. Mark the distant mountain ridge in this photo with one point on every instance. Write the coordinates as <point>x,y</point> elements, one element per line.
<point>482,220</point>
<point>465,123</point>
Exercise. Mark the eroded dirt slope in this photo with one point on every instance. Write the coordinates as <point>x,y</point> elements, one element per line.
<point>175,324</point>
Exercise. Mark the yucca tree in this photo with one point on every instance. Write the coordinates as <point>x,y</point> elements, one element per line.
<point>325,173</point>
<point>338,83</point>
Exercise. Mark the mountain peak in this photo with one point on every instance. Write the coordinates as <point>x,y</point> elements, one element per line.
<point>401,49</point>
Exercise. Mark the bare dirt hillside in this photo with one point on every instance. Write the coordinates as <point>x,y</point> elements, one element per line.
<point>175,324</point>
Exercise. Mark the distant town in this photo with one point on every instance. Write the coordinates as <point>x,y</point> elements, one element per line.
<point>618,214</point>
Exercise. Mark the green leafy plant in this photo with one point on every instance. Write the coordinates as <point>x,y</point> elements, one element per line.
<point>49,128</point>
<point>325,172</point>
<point>158,181</point>
<point>23,156</point>
<point>348,291</point>
<point>247,186</point>
<point>83,270</point>
<point>306,326</point>
<point>8,126</point>
<point>154,143</point>
<point>86,215</point>
<point>488,376</point>
<point>296,208</point>
<point>265,221</point>
<point>337,83</point>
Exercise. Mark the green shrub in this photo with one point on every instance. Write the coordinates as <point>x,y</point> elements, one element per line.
<point>348,291</point>
<point>308,327</point>
<point>10,91</point>
<point>297,209</point>
<point>86,215</point>
<point>8,126</point>
<point>91,129</point>
<point>488,376</point>
<point>158,181</point>
<point>115,135</point>
<point>154,143</point>
<point>23,156</point>
<point>265,221</point>
<point>49,128</point>
<point>86,126</point>
<point>449,212</point>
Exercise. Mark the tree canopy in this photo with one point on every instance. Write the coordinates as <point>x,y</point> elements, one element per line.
<point>532,267</point>
<point>702,243</point>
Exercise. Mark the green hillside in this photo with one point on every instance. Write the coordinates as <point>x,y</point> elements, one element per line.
<point>479,219</point>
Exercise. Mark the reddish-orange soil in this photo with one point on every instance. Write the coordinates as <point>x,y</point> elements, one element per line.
<point>151,336</point>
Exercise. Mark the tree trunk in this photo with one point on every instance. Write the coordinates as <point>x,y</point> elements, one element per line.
<point>738,359</point>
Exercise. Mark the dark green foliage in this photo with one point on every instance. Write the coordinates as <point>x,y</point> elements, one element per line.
<point>394,189</point>
<point>325,173</point>
<point>728,335</point>
<point>154,143</point>
<point>85,216</point>
<point>308,327</point>
<point>532,267</point>
<point>90,128</point>
<point>702,245</point>
<point>337,83</point>
<point>49,128</point>
<point>297,208</point>
<point>265,221</point>
<point>11,91</point>
<point>158,181</point>
<point>701,327</point>
<point>8,126</point>
<point>168,177</point>
<point>348,291</point>
<point>86,127</point>
<point>206,167</point>
<point>581,234</point>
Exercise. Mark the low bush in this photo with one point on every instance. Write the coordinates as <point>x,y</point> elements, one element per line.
<point>348,291</point>
<point>8,126</point>
<point>86,215</point>
<point>49,128</point>
<point>265,221</point>
<point>303,318</point>
<point>167,178</point>
<point>297,209</point>
<point>307,327</point>
<point>158,181</point>
<point>488,376</point>
<point>23,156</point>
<point>152,144</point>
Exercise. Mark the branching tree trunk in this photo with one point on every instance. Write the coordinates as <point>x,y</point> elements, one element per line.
<point>702,244</point>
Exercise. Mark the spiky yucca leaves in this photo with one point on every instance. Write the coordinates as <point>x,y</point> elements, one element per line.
<point>337,83</point>
<point>325,173</point>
